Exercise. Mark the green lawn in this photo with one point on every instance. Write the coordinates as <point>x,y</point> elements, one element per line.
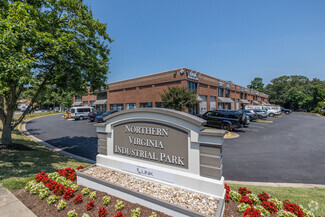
<point>18,167</point>
<point>301,196</point>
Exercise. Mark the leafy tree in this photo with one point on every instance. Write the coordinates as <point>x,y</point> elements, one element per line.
<point>178,98</point>
<point>48,42</point>
<point>256,84</point>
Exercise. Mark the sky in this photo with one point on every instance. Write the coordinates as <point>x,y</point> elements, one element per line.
<point>234,40</point>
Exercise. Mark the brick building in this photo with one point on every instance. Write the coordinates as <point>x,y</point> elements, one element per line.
<point>145,92</point>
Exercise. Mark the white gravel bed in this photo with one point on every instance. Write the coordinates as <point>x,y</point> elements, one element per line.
<point>187,199</point>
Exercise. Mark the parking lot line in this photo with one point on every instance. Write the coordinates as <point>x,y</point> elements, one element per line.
<point>250,126</point>
<point>250,129</point>
<point>264,121</point>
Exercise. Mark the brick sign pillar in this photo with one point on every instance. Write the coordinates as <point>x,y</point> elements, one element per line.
<point>164,146</point>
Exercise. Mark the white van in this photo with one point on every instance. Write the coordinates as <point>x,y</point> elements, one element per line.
<point>81,112</point>
<point>270,110</point>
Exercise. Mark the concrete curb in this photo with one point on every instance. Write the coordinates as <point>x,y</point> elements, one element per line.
<point>22,129</point>
<point>275,184</point>
<point>233,136</point>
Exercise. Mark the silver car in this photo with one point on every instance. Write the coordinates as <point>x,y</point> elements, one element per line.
<point>260,113</point>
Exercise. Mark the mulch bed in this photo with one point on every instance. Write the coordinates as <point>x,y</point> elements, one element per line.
<point>41,208</point>
<point>15,146</point>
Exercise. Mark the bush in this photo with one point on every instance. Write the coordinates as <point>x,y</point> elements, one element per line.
<point>106,200</point>
<point>72,213</point>
<point>52,199</point>
<point>243,191</point>
<point>283,213</point>
<point>242,207</point>
<point>68,193</point>
<point>62,204</point>
<point>92,195</point>
<point>277,203</point>
<point>43,193</point>
<point>254,198</point>
<point>263,210</point>
<point>269,206</point>
<point>153,214</point>
<point>246,199</point>
<point>263,196</point>
<point>102,212</point>
<point>85,191</point>
<point>235,196</point>
<point>119,205</point>
<point>294,208</point>
<point>78,199</point>
<point>90,205</point>
<point>251,212</point>
<point>136,212</point>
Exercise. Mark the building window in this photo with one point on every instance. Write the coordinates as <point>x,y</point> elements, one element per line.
<point>220,105</point>
<point>85,103</point>
<point>92,103</point>
<point>241,95</point>
<point>116,107</point>
<point>192,86</point>
<point>78,98</point>
<point>102,107</point>
<point>220,92</point>
<point>245,96</point>
<point>192,110</point>
<point>227,93</point>
<point>146,105</point>
<point>101,96</point>
<point>159,105</point>
<point>131,105</point>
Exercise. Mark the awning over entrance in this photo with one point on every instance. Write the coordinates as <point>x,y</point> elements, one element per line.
<point>256,103</point>
<point>77,104</point>
<point>198,98</point>
<point>225,100</point>
<point>100,102</point>
<point>264,103</point>
<point>244,101</point>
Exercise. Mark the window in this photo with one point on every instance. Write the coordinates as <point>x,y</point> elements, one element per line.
<point>83,110</point>
<point>85,103</point>
<point>220,105</point>
<point>192,110</point>
<point>116,107</point>
<point>102,107</point>
<point>241,95</point>
<point>131,105</point>
<point>102,96</point>
<point>220,92</point>
<point>159,105</point>
<point>146,105</point>
<point>227,93</point>
<point>245,95</point>
<point>78,98</point>
<point>192,86</point>
<point>92,102</point>
<point>72,110</point>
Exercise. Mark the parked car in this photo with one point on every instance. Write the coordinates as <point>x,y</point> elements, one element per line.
<point>80,113</point>
<point>100,118</point>
<point>226,120</point>
<point>286,111</point>
<point>252,115</point>
<point>92,115</point>
<point>260,113</point>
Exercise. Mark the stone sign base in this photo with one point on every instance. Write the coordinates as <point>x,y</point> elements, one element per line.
<point>85,178</point>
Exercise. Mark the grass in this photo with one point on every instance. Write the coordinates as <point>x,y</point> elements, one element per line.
<point>19,167</point>
<point>300,196</point>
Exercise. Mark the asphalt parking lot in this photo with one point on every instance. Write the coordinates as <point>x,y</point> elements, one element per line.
<point>289,150</point>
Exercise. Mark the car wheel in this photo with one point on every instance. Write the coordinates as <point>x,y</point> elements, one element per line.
<point>260,117</point>
<point>287,113</point>
<point>81,117</point>
<point>225,126</point>
<point>271,115</point>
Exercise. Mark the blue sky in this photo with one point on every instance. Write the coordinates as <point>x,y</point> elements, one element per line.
<point>231,40</point>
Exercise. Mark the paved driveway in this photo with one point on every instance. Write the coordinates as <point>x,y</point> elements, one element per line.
<point>291,149</point>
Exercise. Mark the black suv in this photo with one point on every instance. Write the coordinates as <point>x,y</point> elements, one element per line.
<point>226,120</point>
<point>286,111</point>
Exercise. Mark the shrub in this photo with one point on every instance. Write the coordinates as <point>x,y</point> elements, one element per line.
<point>254,198</point>
<point>90,205</point>
<point>43,193</point>
<point>235,196</point>
<point>269,206</point>
<point>119,214</point>
<point>307,212</point>
<point>92,195</point>
<point>67,183</point>
<point>62,204</point>
<point>283,213</point>
<point>242,207</point>
<point>243,191</point>
<point>74,187</point>
<point>227,197</point>
<point>294,208</point>
<point>263,196</point>
<point>80,167</point>
<point>251,212</point>
<point>85,215</point>
<point>78,199</point>
<point>59,189</point>
<point>106,200</point>
<point>85,191</point>
<point>52,199</point>
<point>263,210</point>
<point>30,184</point>
<point>277,203</point>
<point>227,188</point>
<point>119,205</point>
<point>136,212</point>
<point>246,199</point>
<point>54,175</point>
<point>72,213</point>
<point>68,193</point>
<point>102,212</point>
<point>153,214</point>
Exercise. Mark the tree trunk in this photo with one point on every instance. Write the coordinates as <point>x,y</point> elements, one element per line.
<point>6,134</point>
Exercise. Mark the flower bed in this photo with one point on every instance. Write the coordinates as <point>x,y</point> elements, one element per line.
<point>244,203</point>
<point>56,194</point>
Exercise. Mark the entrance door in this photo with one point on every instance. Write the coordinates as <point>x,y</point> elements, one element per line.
<point>203,104</point>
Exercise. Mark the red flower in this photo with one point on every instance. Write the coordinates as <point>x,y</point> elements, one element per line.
<point>90,205</point>
<point>80,167</point>
<point>51,184</point>
<point>68,193</point>
<point>263,196</point>
<point>78,199</point>
<point>294,208</point>
<point>245,199</point>
<point>243,191</point>
<point>68,173</point>
<point>227,188</point>
<point>227,197</point>
<point>269,206</point>
<point>59,189</point>
<point>40,176</point>
<point>119,214</point>
<point>251,212</point>
<point>102,212</point>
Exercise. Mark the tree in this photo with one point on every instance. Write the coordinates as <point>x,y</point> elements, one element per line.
<point>178,98</point>
<point>45,43</point>
<point>256,84</point>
